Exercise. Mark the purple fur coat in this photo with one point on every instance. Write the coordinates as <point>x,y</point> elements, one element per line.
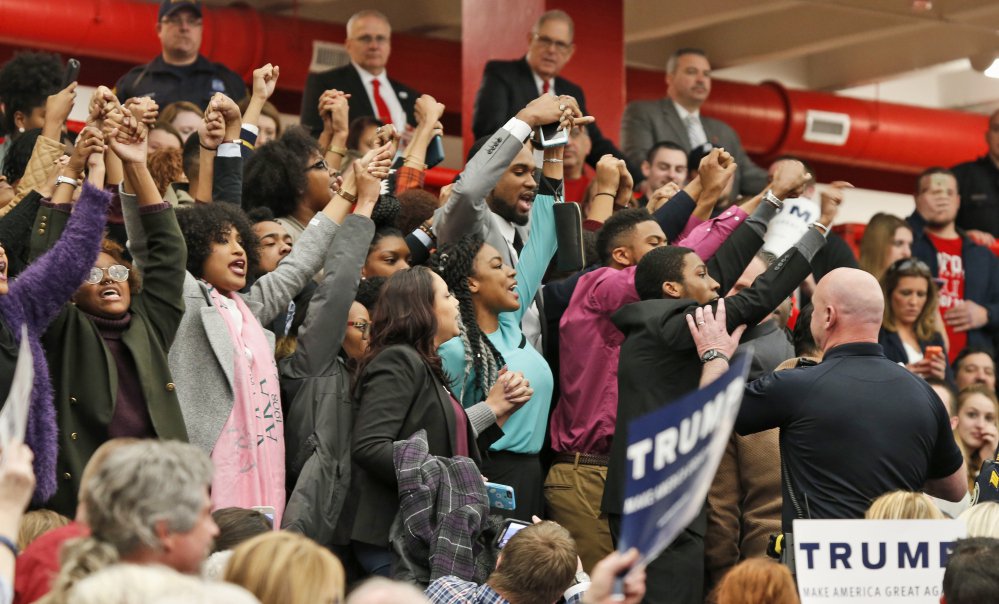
<point>34,299</point>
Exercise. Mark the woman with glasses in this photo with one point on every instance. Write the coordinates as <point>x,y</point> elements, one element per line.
<point>887,239</point>
<point>316,379</point>
<point>290,177</point>
<point>909,333</point>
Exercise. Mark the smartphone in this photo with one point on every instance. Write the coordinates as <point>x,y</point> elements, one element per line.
<point>510,528</point>
<point>933,352</point>
<point>72,72</point>
<point>266,510</point>
<point>553,135</point>
<point>435,152</point>
<point>501,496</point>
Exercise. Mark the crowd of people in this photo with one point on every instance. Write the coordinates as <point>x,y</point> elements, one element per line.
<point>272,365</point>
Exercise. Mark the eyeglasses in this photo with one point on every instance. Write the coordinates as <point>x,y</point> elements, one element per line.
<point>368,39</point>
<point>178,20</point>
<point>558,45</point>
<point>116,272</point>
<point>361,326</point>
<point>319,165</point>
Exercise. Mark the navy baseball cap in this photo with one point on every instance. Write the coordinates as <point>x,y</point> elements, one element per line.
<point>169,7</point>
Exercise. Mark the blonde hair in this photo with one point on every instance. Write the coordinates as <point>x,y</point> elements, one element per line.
<point>903,505</point>
<point>982,520</point>
<point>36,523</point>
<point>878,236</point>
<point>757,580</point>
<point>142,584</point>
<point>286,568</point>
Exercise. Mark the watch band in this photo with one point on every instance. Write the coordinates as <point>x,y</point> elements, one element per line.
<point>770,198</point>
<point>347,195</point>
<point>65,180</point>
<point>713,354</point>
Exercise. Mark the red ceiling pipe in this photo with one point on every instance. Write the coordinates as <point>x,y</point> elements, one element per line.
<point>771,120</point>
<point>238,36</point>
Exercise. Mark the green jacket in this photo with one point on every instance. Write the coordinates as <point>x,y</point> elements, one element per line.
<point>84,375</point>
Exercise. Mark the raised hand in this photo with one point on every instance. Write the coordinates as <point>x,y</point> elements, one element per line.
<point>831,199</point>
<point>212,130</point>
<point>387,134</point>
<point>57,108</point>
<point>716,169</point>
<point>789,178</point>
<point>608,175</point>
<point>143,109</point>
<point>543,110</point>
<point>90,141</point>
<point>265,81</point>
<point>427,110</point>
<point>710,332</point>
<point>230,113</point>
<point>661,195</point>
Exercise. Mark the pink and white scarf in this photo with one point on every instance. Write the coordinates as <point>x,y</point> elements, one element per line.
<point>249,454</point>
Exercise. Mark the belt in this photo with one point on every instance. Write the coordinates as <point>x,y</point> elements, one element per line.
<point>582,459</point>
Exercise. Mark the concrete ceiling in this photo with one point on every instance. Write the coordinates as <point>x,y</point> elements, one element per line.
<point>887,49</point>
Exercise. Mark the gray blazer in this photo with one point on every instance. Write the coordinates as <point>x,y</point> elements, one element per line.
<point>466,210</point>
<point>201,359</point>
<point>646,123</point>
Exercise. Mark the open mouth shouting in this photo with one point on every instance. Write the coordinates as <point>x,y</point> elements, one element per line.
<point>238,267</point>
<point>525,202</point>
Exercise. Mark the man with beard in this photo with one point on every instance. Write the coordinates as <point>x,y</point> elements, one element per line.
<point>180,73</point>
<point>967,272</point>
<point>494,194</point>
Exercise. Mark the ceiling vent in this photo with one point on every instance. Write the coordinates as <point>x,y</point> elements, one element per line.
<point>827,127</point>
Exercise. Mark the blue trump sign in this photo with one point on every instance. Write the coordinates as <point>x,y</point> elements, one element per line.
<point>672,457</point>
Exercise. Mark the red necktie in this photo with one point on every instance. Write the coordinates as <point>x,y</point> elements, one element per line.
<point>381,107</point>
<point>545,87</point>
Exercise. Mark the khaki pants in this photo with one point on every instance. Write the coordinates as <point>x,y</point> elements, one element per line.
<point>572,496</point>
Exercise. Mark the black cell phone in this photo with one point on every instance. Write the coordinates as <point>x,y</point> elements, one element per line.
<point>435,152</point>
<point>510,528</point>
<point>71,74</point>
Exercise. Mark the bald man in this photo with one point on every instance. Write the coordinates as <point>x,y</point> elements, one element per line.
<point>856,425</point>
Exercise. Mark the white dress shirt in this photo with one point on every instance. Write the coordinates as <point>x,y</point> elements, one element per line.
<point>695,130</point>
<point>388,95</point>
<point>539,82</point>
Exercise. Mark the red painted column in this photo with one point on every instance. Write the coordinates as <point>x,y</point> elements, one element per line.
<point>499,30</point>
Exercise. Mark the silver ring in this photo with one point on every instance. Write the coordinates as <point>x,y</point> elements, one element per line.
<point>378,130</point>
<point>699,323</point>
<point>561,107</point>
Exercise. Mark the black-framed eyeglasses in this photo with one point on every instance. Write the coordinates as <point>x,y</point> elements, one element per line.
<point>116,272</point>
<point>361,326</point>
<point>319,165</point>
<point>558,45</point>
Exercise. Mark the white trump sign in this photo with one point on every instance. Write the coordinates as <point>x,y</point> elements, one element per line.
<point>857,561</point>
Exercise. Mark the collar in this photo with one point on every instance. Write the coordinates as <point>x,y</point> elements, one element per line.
<point>683,113</point>
<point>367,76</point>
<point>854,349</point>
<point>505,227</point>
<point>539,81</point>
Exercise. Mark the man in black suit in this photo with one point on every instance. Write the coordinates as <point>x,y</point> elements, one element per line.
<point>372,92</point>
<point>659,363</point>
<point>508,86</point>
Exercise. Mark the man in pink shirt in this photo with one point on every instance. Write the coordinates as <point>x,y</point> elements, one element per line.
<point>583,421</point>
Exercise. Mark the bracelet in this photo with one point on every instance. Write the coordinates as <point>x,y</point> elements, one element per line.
<point>65,180</point>
<point>552,160</point>
<point>821,227</point>
<point>428,231</point>
<point>230,140</point>
<point>341,151</point>
<point>416,164</point>
<point>6,542</point>
<point>608,194</point>
<point>770,198</point>
<point>350,197</point>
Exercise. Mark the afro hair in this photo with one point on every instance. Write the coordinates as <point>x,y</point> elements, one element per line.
<point>275,176</point>
<point>26,81</point>
<point>206,224</point>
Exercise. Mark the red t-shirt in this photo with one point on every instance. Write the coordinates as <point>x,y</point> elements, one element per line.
<point>951,282</point>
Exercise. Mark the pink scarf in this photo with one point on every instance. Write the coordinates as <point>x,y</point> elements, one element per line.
<point>249,454</point>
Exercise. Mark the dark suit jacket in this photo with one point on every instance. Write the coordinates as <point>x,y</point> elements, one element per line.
<point>895,351</point>
<point>346,79</point>
<point>659,362</point>
<point>646,123</point>
<point>508,86</point>
<point>398,394</point>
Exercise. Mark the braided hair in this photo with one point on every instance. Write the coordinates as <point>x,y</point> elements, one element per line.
<point>454,262</point>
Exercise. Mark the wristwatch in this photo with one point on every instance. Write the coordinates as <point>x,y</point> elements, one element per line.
<point>713,354</point>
